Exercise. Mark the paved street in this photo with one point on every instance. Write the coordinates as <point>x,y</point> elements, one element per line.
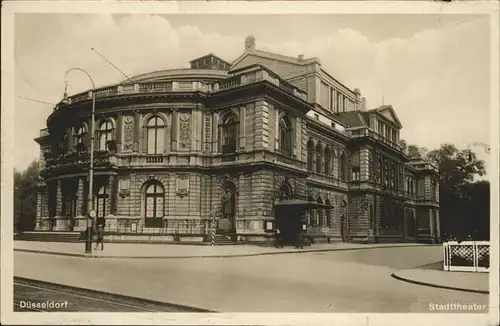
<point>37,296</point>
<point>340,281</point>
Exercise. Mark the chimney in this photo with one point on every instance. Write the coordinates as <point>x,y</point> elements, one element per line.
<point>250,43</point>
<point>357,92</point>
<point>363,103</point>
<point>300,57</point>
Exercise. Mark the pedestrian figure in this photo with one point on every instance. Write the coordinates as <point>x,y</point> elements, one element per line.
<point>100,237</point>
<point>300,240</point>
<point>277,236</point>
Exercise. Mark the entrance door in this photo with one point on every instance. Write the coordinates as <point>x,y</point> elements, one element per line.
<point>288,221</point>
<point>227,221</point>
<point>70,212</point>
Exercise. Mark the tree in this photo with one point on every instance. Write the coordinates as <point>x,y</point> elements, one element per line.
<point>415,151</point>
<point>458,169</point>
<point>25,192</point>
<point>477,209</point>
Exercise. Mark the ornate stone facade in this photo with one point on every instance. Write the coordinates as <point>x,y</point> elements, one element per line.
<point>198,144</point>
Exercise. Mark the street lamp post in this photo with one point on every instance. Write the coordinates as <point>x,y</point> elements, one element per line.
<point>90,202</point>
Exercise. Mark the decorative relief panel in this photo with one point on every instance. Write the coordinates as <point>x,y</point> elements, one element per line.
<point>128,133</point>
<point>124,187</point>
<point>182,185</point>
<point>184,131</point>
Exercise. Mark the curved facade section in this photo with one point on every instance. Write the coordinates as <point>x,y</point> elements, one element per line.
<point>179,153</point>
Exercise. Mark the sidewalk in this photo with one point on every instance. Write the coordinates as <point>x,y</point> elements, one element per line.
<point>127,250</point>
<point>461,281</point>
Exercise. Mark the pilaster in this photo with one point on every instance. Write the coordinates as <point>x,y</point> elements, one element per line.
<point>242,132</point>
<point>215,133</point>
<point>431,224</point>
<point>262,125</point>
<point>80,195</point>
<point>119,133</point>
<point>136,131</point>
<point>59,205</point>
<point>175,130</point>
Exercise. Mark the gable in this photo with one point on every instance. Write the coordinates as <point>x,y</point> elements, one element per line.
<point>389,113</point>
<point>280,67</point>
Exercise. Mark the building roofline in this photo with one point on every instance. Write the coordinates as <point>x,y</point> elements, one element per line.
<point>210,55</point>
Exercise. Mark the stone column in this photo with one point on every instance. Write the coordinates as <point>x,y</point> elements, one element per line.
<point>207,132</point>
<point>59,199</point>
<point>242,126</point>
<point>262,125</point>
<point>45,199</point>
<point>175,130</point>
<point>438,227</point>
<point>39,208</point>
<point>80,195</point>
<point>194,130</point>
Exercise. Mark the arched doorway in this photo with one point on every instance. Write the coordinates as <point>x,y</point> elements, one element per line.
<point>154,207</point>
<point>228,209</point>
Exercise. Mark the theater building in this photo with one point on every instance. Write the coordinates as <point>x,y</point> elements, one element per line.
<point>240,147</point>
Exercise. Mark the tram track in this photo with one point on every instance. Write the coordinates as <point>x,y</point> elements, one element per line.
<point>40,296</point>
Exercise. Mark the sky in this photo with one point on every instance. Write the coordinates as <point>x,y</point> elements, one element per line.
<point>433,69</point>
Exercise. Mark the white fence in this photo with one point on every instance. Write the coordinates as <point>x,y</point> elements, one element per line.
<point>467,256</point>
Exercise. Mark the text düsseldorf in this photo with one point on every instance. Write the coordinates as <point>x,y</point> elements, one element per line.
<point>43,304</point>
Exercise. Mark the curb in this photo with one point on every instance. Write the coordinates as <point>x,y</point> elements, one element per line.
<point>208,256</point>
<point>407,280</point>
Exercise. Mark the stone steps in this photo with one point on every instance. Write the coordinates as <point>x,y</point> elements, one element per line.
<point>223,240</point>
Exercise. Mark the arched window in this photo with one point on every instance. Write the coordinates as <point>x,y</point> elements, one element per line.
<point>342,163</point>
<point>229,134</point>
<point>310,155</point>
<point>105,134</point>
<point>154,204</point>
<point>229,201</point>
<point>79,134</point>
<point>155,136</point>
<point>393,176</point>
<point>319,160</point>
<point>355,167</point>
<point>328,160</point>
<point>320,213</point>
<point>101,198</point>
<point>285,135</point>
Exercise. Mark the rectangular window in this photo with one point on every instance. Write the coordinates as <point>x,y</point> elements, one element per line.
<point>338,102</point>
<point>316,116</point>
<point>356,173</point>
